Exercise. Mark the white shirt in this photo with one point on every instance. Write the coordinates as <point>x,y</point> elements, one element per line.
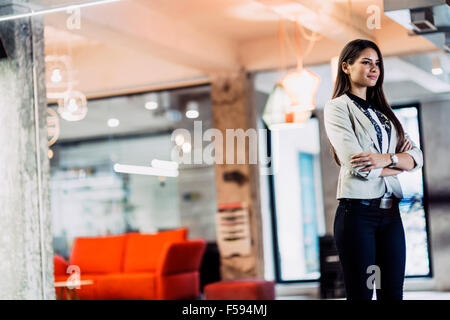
<point>384,149</point>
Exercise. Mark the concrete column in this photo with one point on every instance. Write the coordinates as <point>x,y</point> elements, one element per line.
<point>233,108</point>
<point>26,252</point>
<point>436,139</point>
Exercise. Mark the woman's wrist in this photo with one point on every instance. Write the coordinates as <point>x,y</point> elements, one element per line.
<point>388,160</point>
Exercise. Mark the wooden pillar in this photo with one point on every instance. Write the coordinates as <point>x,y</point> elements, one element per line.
<point>233,108</point>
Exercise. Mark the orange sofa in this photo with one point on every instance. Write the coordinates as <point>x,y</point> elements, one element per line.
<point>158,266</point>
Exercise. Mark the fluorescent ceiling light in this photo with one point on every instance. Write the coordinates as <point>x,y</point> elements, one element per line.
<point>161,164</point>
<point>56,9</point>
<point>123,168</point>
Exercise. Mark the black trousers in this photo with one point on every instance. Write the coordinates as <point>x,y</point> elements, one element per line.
<point>369,240</point>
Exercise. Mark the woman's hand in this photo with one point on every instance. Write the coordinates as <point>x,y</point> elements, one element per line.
<point>407,145</point>
<point>370,160</point>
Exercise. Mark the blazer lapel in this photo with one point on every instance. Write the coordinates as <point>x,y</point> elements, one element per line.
<point>366,124</point>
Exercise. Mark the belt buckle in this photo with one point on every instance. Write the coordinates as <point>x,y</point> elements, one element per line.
<point>386,203</point>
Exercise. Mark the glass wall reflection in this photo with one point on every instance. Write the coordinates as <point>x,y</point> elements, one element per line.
<point>89,197</point>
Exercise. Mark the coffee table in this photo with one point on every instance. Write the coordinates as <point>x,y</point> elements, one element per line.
<point>68,287</point>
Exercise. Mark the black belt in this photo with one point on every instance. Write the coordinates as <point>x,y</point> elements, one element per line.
<point>383,203</point>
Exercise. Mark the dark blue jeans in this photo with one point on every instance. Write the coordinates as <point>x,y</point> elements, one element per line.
<point>366,237</point>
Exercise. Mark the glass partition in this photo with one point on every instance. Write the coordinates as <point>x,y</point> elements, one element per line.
<point>91,197</point>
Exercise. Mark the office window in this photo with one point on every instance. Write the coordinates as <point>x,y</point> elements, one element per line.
<point>413,207</point>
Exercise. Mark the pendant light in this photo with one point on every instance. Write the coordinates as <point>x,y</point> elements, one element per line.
<point>293,99</point>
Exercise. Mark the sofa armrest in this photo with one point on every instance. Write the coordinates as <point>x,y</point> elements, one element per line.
<point>180,257</point>
<point>59,265</point>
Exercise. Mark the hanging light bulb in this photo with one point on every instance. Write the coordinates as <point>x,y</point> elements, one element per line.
<point>56,76</point>
<point>301,86</point>
<point>294,95</point>
<point>152,103</point>
<point>192,110</point>
<point>292,100</point>
<point>73,107</point>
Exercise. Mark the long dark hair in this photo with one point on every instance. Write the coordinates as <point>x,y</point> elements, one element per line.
<point>375,94</point>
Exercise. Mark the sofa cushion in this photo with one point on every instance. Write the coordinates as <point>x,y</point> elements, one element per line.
<point>123,286</point>
<point>98,254</point>
<point>143,251</point>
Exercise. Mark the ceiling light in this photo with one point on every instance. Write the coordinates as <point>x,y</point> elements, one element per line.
<point>437,71</point>
<point>161,164</point>
<point>192,114</point>
<point>56,76</point>
<point>436,67</point>
<point>113,122</point>
<point>192,110</point>
<point>59,78</point>
<point>56,9</point>
<point>123,168</point>
<point>152,103</point>
<point>73,107</point>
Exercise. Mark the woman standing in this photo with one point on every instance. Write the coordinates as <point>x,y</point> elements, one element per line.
<point>369,144</point>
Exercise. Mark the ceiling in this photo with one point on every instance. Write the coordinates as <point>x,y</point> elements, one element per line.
<point>134,118</point>
<point>136,45</point>
<point>133,46</point>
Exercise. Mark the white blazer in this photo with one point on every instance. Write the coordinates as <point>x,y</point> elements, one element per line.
<point>351,132</point>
